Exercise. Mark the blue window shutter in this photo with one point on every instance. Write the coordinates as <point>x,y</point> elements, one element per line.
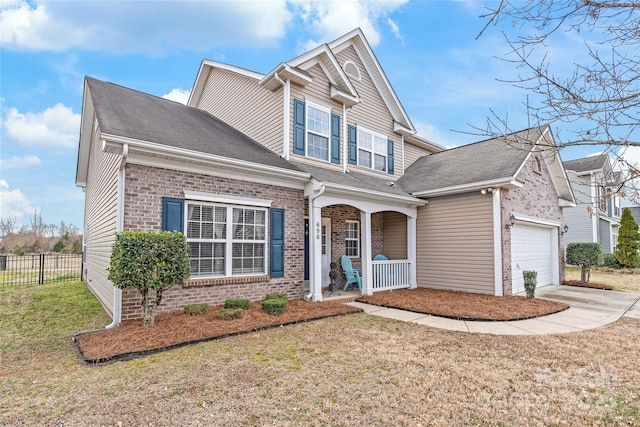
<point>335,138</point>
<point>353,145</point>
<point>299,124</point>
<point>276,252</point>
<point>390,167</point>
<point>172,214</point>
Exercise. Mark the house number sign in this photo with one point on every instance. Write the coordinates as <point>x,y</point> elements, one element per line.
<point>317,230</point>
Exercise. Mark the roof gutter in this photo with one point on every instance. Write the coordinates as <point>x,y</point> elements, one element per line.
<point>114,144</point>
<point>346,190</point>
<point>506,182</point>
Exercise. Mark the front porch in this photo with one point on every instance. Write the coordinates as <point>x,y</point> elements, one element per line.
<point>359,228</point>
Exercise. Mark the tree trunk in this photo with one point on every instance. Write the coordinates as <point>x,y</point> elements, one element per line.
<point>147,314</point>
<point>585,273</point>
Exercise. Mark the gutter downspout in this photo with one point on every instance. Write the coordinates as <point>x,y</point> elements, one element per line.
<point>312,198</point>
<point>286,113</point>
<point>117,293</point>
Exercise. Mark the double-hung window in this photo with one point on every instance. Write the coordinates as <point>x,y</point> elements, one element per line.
<point>226,240</point>
<point>372,150</point>
<point>352,239</point>
<point>318,131</point>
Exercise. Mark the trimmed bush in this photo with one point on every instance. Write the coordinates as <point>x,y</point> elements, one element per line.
<point>530,281</point>
<point>242,303</point>
<point>585,255</point>
<point>149,261</point>
<point>229,313</point>
<point>274,306</point>
<point>276,295</point>
<point>196,309</point>
<point>610,261</point>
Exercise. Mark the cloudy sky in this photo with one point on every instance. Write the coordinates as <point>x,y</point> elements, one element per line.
<point>446,79</point>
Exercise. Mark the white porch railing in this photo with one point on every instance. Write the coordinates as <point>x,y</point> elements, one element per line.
<point>390,274</point>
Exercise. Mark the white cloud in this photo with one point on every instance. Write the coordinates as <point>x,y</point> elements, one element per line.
<point>16,162</point>
<point>117,27</point>
<point>14,202</point>
<point>432,133</point>
<point>331,19</point>
<point>178,95</point>
<point>55,127</point>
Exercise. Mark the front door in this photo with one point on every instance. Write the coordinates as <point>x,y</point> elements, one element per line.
<point>326,250</point>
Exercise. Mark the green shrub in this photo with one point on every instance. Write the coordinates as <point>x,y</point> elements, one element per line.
<point>196,309</point>
<point>628,240</point>
<point>530,282</point>
<point>229,313</point>
<point>274,306</point>
<point>276,295</point>
<point>610,261</point>
<point>149,261</point>
<point>585,255</point>
<point>242,303</point>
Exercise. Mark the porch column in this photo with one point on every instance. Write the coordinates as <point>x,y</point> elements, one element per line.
<point>315,252</point>
<point>367,268</point>
<point>411,251</point>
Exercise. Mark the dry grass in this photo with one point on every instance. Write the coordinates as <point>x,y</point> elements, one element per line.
<point>342,371</point>
<point>625,280</point>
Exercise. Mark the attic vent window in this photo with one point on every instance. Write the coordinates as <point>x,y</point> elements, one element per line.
<point>538,166</point>
<point>352,70</point>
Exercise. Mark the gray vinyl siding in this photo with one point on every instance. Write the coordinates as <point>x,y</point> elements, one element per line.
<point>578,219</point>
<point>239,101</point>
<point>605,236</point>
<point>100,221</point>
<point>455,244</point>
<point>395,235</point>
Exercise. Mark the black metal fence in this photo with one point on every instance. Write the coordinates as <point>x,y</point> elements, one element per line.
<point>39,268</point>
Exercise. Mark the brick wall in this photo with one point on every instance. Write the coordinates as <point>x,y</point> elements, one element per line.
<point>144,188</point>
<point>538,199</point>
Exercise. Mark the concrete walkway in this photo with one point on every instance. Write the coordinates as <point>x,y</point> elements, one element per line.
<point>588,309</point>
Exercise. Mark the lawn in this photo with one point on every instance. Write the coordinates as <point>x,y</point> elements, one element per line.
<point>347,370</point>
<point>625,280</point>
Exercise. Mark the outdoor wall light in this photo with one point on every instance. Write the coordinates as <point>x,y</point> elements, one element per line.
<point>512,220</point>
<point>486,190</point>
<point>564,229</point>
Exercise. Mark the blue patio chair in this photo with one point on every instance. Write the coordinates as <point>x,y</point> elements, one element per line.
<point>383,276</point>
<point>352,274</point>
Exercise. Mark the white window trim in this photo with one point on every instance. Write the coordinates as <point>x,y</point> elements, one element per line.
<point>352,239</point>
<point>225,199</point>
<point>373,151</point>
<point>229,240</point>
<point>325,109</point>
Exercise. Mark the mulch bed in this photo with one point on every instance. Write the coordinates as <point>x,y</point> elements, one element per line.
<point>587,285</point>
<point>131,339</point>
<point>463,305</point>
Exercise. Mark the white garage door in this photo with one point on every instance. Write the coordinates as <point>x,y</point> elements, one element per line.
<point>531,249</point>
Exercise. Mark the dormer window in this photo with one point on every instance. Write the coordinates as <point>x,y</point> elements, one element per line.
<point>351,70</point>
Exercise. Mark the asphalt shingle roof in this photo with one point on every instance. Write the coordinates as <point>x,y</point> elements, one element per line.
<point>128,113</point>
<point>586,164</point>
<point>487,160</point>
<point>352,179</point>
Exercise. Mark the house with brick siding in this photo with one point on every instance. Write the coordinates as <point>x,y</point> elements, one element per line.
<point>271,177</point>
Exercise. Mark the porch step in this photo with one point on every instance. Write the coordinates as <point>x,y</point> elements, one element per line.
<point>343,297</point>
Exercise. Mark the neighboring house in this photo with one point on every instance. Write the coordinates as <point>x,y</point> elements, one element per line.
<point>596,218</point>
<point>273,176</point>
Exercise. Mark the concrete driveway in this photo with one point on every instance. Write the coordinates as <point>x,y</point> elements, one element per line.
<point>610,303</point>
